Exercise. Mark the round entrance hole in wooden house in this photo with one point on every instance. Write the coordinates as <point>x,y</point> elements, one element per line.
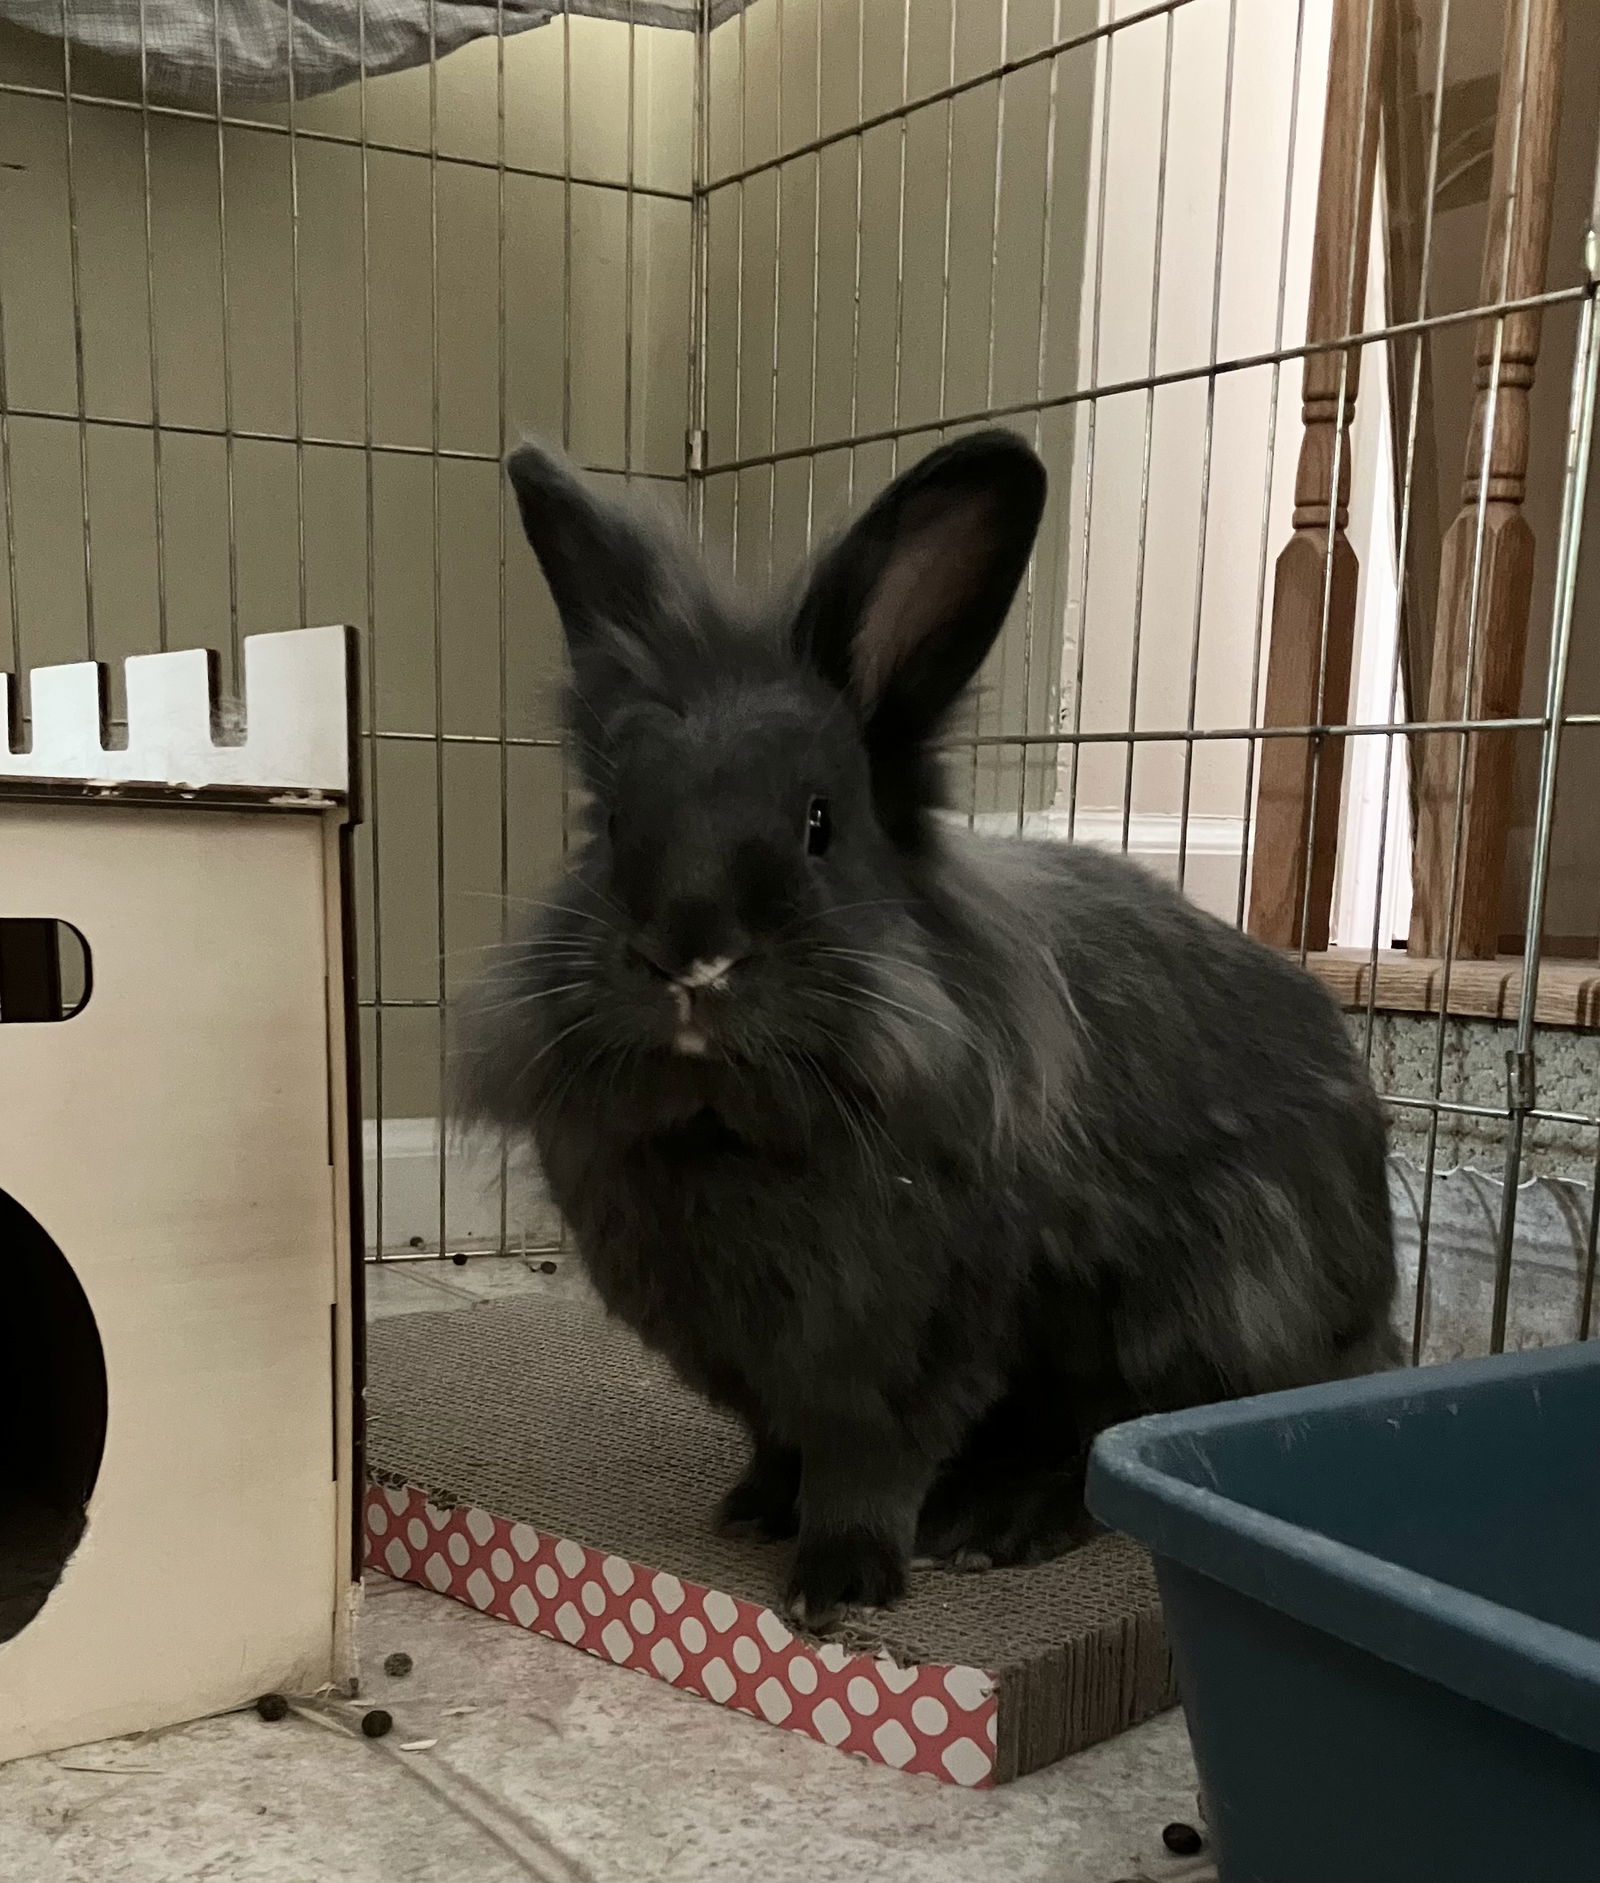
<point>53,1404</point>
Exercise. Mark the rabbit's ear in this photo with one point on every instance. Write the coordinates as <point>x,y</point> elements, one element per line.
<point>603,565</point>
<point>901,611</point>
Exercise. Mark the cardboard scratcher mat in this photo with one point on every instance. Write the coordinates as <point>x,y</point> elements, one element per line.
<point>532,1460</point>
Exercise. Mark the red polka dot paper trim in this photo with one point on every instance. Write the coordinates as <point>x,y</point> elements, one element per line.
<point>937,1720</point>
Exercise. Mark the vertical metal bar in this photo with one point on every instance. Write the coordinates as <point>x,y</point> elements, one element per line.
<point>738,291</point>
<point>1591,1250</point>
<point>565,754</point>
<point>566,230</point>
<point>1090,427</point>
<point>503,642</point>
<point>8,516</point>
<point>1264,546</point>
<point>1149,432</point>
<point>566,345</point>
<point>988,367</point>
<point>1185,797</point>
<point>435,466</point>
<point>369,527</point>
<point>227,344</point>
<point>1041,354</point>
<point>1402,547</point>
<point>855,290</point>
<point>629,202</point>
<point>1475,584</point>
<point>1405,520</point>
<point>297,321</point>
<point>1340,445</point>
<point>900,234</point>
<point>995,203</point>
<point>945,255</point>
<point>944,258</point>
<point>1515,1086</point>
<point>1431,1147</point>
<point>816,288</point>
<point>699,272</point>
<point>777,286</point>
<point>1574,490</point>
<point>151,324</point>
<point>80,376</point>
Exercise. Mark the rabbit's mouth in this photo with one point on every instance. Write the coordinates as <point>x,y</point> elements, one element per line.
<point>688,991</point>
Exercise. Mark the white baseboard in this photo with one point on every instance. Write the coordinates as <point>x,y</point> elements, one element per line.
<point>409,1199</point>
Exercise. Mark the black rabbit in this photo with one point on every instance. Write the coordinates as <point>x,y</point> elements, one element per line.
<point>928,1155</point>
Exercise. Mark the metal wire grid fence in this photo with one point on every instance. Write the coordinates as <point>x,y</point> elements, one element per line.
<point>414,220</point>
<point>843,123</point>
<point>742,457</point>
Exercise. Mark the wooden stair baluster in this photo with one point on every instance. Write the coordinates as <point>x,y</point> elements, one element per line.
<point>1491,588</point>
<point>1315,577</point>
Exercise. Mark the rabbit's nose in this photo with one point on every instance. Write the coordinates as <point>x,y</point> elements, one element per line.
<point>700,974</point>
<point>703,971</point>
<point>692,945</point>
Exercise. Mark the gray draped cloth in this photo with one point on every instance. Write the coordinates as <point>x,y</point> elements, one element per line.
<point>185,42</point>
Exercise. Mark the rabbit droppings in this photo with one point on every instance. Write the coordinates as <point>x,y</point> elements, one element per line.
<point>928,1155</point>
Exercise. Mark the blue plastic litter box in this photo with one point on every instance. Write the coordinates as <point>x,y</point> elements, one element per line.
<point>1383,1598</point>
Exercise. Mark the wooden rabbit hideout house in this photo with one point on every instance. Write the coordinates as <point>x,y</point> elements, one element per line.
<point>177,1360</point>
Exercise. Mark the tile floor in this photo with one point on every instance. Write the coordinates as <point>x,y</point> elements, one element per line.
<point>531,1761</point>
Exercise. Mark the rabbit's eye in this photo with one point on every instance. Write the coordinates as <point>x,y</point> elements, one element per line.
<point>819,827</point>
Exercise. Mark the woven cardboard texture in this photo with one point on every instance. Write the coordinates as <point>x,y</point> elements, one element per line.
<point>544,1412</point>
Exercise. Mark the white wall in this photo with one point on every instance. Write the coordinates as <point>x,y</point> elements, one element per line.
<point>583,200</point>
<point>1186,498</point>
<point>907,280</point>
<point>1372,886</point>
<point>1145,577</point>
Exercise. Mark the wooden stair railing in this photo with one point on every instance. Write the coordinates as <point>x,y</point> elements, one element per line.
<point>1314,587</point>
<point>1486,564</point>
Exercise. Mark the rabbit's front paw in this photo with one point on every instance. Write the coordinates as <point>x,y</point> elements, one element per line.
<point>982,1515</point>
<point>763,1502</point>
<point>843,1569</point>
